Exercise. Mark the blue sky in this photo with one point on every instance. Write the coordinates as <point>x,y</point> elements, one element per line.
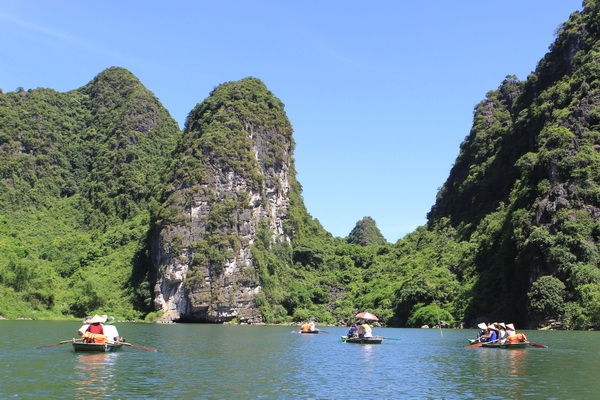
<point>380,94</point>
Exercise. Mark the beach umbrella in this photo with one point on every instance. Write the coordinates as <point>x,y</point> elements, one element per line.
<point>367,315</point>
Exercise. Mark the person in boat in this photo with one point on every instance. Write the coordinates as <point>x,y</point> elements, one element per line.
<point>86,324</point>
<point>94,331</point>
<point>312,326</point>
<point>305,327</point>
<point>501,332</point>
<point>353,331</point>
<point>491,336</point>
<point>510,330</point>
<point>110,330</point>
<point>482,331</point>
<point>364,330</point>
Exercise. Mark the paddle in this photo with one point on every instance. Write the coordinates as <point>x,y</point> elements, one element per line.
<point>54,344</point>
<point>475,345</point>
<point>140,347</point>
<point>391,338</point>
<point>321,330</point>
<point>539,346</point>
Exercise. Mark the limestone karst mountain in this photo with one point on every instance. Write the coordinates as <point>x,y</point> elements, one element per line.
<point>231,177</point>
<point>525,186</point>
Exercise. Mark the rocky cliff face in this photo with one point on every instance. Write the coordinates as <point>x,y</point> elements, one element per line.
<point>230,182</point>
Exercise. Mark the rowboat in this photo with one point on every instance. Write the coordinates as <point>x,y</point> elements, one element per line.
<point>363,340</point>
<point>313,331</point>
<point>79,345</point>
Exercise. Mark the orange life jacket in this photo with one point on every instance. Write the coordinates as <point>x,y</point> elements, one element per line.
<point>89,337</point>
<point>519,337</point>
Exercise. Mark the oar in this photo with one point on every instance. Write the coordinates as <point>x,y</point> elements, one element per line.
<point>539,346</point>
<point>54,344</point>
<point>321,330</point>
<point>475,345</point>
<point>391,338</point>
<point>140,347</point>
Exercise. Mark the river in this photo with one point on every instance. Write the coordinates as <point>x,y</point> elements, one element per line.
<point>196,361</point>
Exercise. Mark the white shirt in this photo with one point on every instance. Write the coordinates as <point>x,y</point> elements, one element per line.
<point>83,328</point>
<point>110,331</point>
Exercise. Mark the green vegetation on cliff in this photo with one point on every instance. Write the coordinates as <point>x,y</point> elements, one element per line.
<point>78,176</point>
<point>525,188</point>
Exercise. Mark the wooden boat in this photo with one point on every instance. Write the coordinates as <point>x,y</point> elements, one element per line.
<point>363,340</point>
<point>519,345</point>
<point>79,345</point>
<point>313,331</point>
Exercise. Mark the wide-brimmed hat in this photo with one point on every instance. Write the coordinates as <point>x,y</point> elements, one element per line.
<point>501,324</point>
<point>492,326</point>
<point>110,320</point>
<point>510,326</point>
<point>96,319</point>
<point>482,325</point>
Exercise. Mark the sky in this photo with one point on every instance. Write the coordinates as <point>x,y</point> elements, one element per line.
<point>380,94</point>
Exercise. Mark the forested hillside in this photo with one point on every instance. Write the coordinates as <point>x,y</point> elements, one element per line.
<point>524,191</point>
<point>108,206</point>
<point>79,175</point>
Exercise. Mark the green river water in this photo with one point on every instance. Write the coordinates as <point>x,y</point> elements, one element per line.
<point>196,361</point>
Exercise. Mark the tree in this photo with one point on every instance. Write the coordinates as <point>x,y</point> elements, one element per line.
<point>546,298</point>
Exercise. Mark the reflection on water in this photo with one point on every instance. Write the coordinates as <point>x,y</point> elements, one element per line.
<point>505,371</point>
<point>517,362</point>
<point>517,372</point>
<point>94,374</point>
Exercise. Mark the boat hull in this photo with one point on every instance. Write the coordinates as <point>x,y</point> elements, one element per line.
<point>520,345</point>
<point>79,345</point>
<point>310,332</point>
<point>367,340</point>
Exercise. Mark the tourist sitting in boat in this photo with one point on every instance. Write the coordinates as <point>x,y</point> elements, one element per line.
<point>305,327</point>
<point>482,331</point>
<point>501,332</point>
<point>85,326</point>
<point>364,330</point>
<point>491,336</point>
<point>510,330</point>
<point>110,331</point>
<point>353,331</point>
<point>94,331</point>
<point>312,326</point>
